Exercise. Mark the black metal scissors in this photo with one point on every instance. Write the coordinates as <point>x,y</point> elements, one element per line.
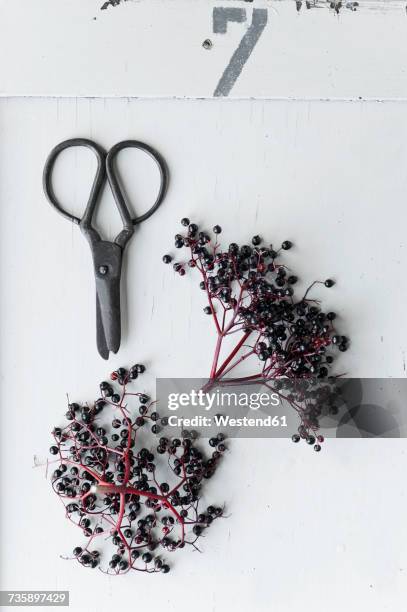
<point>107,256</point>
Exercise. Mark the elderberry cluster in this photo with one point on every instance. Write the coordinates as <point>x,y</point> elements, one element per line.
<point>250,292</point>
<point>291,336</point>
<point>130,501</point>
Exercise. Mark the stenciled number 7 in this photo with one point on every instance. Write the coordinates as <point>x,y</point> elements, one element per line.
<point>221,17</point>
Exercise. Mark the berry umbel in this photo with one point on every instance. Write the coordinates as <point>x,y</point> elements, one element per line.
<point>133,499</point>
<point>251,299</point>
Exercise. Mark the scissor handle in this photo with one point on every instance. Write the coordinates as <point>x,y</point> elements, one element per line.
<point>96,186</point>
<point>114,183</point>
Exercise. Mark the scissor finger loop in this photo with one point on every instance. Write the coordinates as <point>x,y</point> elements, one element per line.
<point>99,179</point>
<point>114,183</point>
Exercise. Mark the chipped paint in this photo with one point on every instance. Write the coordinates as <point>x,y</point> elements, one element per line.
<point>335,6</point>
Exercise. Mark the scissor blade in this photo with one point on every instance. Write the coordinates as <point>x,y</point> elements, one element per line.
<point>100,333</point>
<point>108,322</point>
<point>107,261</point>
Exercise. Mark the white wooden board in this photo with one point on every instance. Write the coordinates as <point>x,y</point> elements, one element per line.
<point>155,48</point>
<point>305,531</point>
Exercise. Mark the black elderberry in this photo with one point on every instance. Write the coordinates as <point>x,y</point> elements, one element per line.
<point>100,404</point>
<point>185,222</point>
<point>217,229</point>
<point>147,557</point>
<point>256,240</point>
<point>53,450</point>
<point>207,310</point>
<point>286,245</point>
<point>295,438</point>
<point>167,259</point>
<point>86,559</point>
<point>329,283</point>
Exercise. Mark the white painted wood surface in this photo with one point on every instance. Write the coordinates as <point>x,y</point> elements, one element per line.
<point>305,531</point>
<point>154,48</point>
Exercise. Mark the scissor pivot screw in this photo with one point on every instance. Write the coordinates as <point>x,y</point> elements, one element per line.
<point>103,270</point>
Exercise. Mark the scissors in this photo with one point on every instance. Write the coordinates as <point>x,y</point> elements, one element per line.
<point>107,256</point>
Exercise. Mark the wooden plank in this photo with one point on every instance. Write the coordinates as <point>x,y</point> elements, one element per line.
<point>156,48</point>
<point>328,176</point>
